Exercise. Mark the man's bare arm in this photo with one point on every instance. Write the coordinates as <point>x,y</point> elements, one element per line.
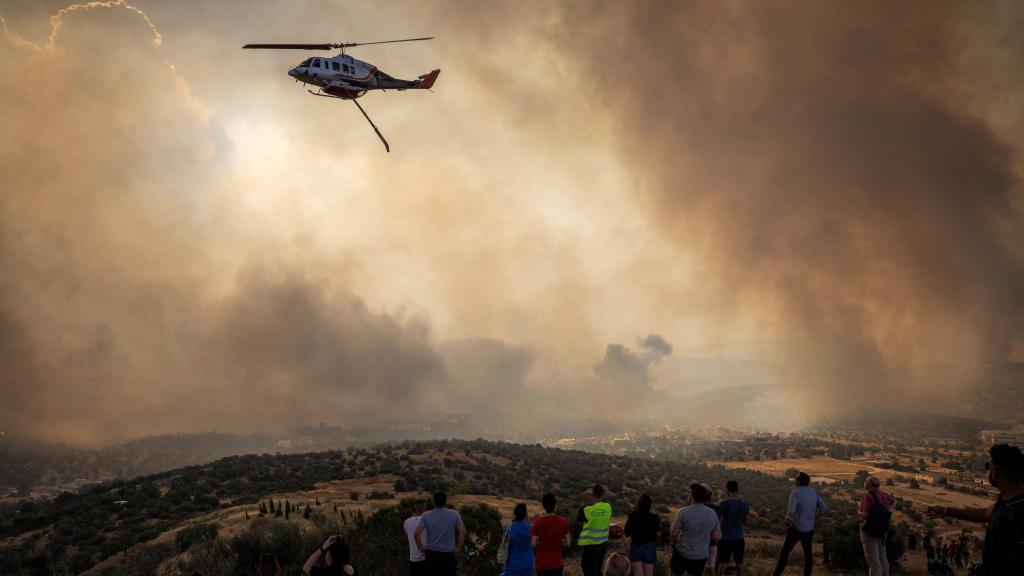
<point>461,538</point>
<point>979,515</point>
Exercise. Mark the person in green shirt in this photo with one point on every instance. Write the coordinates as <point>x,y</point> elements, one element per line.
<point>596,515</point>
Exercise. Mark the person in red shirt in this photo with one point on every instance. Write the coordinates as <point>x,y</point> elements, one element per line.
<point>874,545</point>
<point>549,534</point>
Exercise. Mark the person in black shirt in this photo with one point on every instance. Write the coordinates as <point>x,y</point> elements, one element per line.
<point>642,528</point>
<point>1003,553</point>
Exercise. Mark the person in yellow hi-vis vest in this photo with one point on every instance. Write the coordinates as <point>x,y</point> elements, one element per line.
<point>596,516</point>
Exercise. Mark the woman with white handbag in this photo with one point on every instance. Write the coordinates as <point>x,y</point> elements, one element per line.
<point>519,560</point>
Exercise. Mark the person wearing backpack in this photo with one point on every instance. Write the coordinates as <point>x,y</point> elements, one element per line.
<point>875,512</point>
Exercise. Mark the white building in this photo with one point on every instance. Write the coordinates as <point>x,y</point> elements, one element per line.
<point>1012,437</point>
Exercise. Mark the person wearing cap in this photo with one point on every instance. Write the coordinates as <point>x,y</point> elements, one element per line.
<point>874,545</point>
<point>805,505</point>
<point>1003,552</point>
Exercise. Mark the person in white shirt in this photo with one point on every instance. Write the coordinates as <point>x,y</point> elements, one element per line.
<point>417,559</point>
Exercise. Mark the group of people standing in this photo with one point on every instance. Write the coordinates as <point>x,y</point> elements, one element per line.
<point>952,552</point>
<point>706,536</point>
<point>697,531</point>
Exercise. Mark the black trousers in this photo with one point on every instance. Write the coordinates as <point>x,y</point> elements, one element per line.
<point>682,566</point>
<point>440,563</point>
<point>792,536</point>
<point>593,558</point>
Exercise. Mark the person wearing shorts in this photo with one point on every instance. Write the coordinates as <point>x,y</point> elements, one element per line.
<point>733,512</point>
<point>642,528</point>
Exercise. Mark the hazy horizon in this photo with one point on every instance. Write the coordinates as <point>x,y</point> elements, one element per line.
<point>597,208</point>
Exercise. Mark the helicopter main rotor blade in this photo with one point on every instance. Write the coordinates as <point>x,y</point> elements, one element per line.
<point>292,46</point>
<point>329,46</point>
<point>379,135</point>
<point>349,44</point>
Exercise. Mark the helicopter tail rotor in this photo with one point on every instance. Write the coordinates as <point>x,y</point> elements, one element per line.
<point>427,80</point>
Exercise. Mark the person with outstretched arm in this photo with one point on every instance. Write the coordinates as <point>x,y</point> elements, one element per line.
<point>1003,552</point>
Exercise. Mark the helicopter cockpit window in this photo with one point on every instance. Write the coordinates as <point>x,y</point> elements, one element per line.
<point>305,62</point>
<point>316,63</point>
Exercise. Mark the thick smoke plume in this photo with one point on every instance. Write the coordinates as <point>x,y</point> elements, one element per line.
<point>829,168</point>
<point>188,244</point>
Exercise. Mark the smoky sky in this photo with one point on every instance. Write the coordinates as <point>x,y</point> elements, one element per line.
<point>828,165</point>
<point>189,242</point>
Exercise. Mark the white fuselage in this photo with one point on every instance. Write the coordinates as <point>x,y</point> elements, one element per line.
<point>341,68</point>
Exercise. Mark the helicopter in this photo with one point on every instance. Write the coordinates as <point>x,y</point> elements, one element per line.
<point>346,78</point>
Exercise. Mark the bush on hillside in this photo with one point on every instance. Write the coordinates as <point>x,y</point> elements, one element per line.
<point>209,557</point>
<point>194,534</point>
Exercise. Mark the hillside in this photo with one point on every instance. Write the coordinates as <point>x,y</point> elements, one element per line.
<point>78,531</point>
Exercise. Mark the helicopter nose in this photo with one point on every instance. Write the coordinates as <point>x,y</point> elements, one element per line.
<point>293,72</point>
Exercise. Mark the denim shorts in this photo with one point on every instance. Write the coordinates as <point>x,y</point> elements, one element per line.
<point>646,553</point>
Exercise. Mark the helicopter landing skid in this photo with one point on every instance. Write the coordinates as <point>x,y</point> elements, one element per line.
<point>365,115</point>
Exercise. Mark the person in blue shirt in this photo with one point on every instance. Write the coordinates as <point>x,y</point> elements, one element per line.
<point>520,560</point>
<point>805,505</point>
<point>733,512</point>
